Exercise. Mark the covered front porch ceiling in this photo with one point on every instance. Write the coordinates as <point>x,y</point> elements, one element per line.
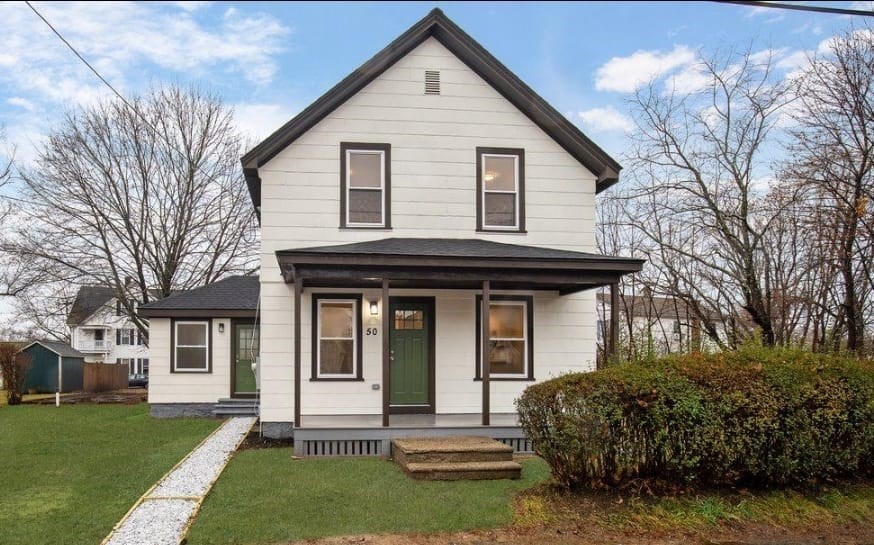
<point>452,264</point>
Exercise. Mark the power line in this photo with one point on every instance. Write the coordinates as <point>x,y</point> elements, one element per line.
<point>798,7</point>
<point>133,108</point>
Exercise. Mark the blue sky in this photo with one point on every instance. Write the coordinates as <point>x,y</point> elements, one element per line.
<point>269,60</point>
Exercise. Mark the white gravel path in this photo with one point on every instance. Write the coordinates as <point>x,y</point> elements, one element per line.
<point>163,515</point>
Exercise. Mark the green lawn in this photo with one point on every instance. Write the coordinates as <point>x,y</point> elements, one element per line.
<point>68,474</point>
<point>266,497</point>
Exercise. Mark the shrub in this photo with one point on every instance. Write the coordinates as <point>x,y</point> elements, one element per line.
<point>755,417</point>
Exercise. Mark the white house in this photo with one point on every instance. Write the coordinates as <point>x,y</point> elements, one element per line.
<point>429,181</point>
<point>101,331</point>
<point>656,325</point>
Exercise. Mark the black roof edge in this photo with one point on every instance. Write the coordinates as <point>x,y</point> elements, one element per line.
<point>475,56</point>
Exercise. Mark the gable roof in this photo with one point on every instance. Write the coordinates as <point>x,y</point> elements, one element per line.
<point>89,299</point>
<point>62,349</point>
<point>472,248</point>
<point>471,53</point>
<point>235,296</point>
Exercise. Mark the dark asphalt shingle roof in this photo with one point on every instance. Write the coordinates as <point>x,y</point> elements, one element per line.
<point>62,349</point>
<point>88,300</point>
<point>232,293</point>
<point>448,247</point>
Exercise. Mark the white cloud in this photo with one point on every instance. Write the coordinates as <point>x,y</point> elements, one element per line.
<point>627,74</point>
<point>606,119</point>
<point>257,121</point>
<point>794,63</point>
<point>126,37</point>
<point>691,79</point>
<point>22,103</point>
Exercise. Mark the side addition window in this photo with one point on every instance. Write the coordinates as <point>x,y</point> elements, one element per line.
<point>500,189</point>
<point>365,182</point>
<point>191,347</point>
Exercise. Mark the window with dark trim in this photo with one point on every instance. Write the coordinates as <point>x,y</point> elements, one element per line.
<point>191,340</point>
<point>500,189</point>
<point>365,185</point>
<point>336,336</point>
<point>511,337</point>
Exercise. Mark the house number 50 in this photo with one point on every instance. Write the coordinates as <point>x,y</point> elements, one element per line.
<point>370,331</point>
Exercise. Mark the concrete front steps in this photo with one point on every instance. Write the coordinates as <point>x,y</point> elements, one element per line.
<point>235,407</point>
<point>455,458</point>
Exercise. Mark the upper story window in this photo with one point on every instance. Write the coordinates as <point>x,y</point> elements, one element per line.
<point>500,181</point>
<point>365,185</point>
<point>125,336</point>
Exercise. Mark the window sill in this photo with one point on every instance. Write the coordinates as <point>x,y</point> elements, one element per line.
<point>506,379</point>
<point>337,379</point>
<point>504,231</point>
<point>192,371</point>
<point>362,228</point>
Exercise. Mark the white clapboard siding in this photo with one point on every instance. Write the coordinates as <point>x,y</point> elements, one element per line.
<point>168,387</point>
<point>433,150</point>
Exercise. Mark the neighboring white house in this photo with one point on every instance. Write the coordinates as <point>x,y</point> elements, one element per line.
<point>103,333</point>
<point>654,325</point>
<point>428,180</point>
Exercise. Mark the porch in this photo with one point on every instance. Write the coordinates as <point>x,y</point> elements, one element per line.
<point>365,435</point>
<point>382,276</point>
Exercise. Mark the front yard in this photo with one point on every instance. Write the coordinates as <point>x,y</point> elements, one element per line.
<point>266,497</point>
<point>68,474</point>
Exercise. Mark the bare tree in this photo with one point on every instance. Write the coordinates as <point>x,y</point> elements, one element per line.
<point>832,157</point>
<point>146,198</point>
<point>697,161</point>
<point>13,368</point>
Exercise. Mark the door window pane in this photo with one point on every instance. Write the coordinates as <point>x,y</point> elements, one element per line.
<point>409,319</point>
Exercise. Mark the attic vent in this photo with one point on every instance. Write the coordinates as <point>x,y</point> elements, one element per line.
<point>432,82</point>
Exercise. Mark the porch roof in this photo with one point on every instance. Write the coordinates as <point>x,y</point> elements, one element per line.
<point>452,263</point>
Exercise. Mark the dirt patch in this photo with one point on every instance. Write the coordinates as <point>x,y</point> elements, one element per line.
<point>854,534</point>
<point>127,396</point>
<point>256,441</point>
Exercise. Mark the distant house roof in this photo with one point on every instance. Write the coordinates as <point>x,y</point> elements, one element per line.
<point>235,296</point>
<point>62,349</point>
<point>89,299</point>
<point>653,306</point>
<point>463,248</point>
<point>437,25</point>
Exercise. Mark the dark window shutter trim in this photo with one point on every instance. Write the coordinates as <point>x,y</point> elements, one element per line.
<point>117,336</point>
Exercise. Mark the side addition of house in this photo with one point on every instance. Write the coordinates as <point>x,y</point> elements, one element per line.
<point>427,229</point>
<point>103,333</point>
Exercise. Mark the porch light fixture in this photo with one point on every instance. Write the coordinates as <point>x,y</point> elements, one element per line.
<point>374,308</point>
<point>221,327</point>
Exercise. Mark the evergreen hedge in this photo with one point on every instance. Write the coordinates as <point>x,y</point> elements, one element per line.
<point>753,417</point>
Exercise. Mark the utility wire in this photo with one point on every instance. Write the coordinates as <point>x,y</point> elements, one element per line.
<point>115,91</point>
<point>798,7</point>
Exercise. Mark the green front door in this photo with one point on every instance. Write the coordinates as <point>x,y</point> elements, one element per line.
<point>410,338</point>
<point>246,341</point>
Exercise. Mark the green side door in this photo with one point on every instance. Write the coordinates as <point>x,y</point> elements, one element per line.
<point>409,376</point>
<point>246,345</point>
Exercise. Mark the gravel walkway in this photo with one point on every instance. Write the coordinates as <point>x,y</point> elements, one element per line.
<point>163,515</point>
